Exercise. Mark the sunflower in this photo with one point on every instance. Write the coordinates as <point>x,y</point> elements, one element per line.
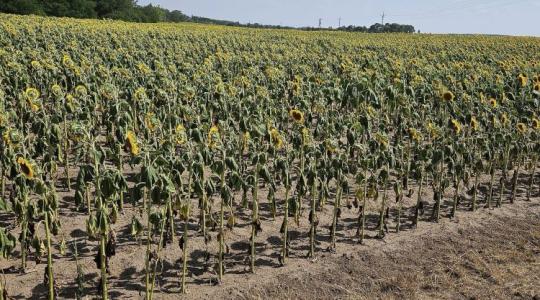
<point>150,121</point>
<point>6,138</point>
<point>371,111</point>
<point>276,138</point>
<point>330,146</point>
<point>522,128</point>
<point>474,123</point>
<point>414,134</point>
<point>535,123</point>
<point>305,136</point>
<point>131,143</point>
<point>456,126</point>
<point>3,119</point>
<point>536,87</point>
<point>448,96</point>
<point>31,94</point>
<point>382,140</point>
<point>432,129</point>
<point>181,136</point>
<point>34,107</point>
<point>297,116</point>
<point>495,121</point>
<point>81,90</point>
<point>140,94</point>
<point>213,136</point>
<point>504,119</point>
<point>522,80</point>
<point>56,90</point>
<point>245,141</point>
<point>493,102</point>
<point>35,64</point>
<point>26,168</point>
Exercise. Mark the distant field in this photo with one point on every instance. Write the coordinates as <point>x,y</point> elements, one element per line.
<point>150,160</point>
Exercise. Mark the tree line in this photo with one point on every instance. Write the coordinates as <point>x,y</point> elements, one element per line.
<point>129,10</point>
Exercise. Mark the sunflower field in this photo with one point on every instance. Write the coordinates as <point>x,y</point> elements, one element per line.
<point>204,150</point>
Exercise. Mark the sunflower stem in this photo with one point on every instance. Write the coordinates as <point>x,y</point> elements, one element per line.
<point>49,257</point>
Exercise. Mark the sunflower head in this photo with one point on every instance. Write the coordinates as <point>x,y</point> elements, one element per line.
<point>297,116</point>
<point>31,94</point>
<point>181,135</point>
<point>448,96</point>
<point>305,136</point>
<point>493,102</point>
<point>213,136</point>
<point>522,80</point>
<point>414,134</point>
<point>131,143</point>
<point>140,94</point>
<point>276,138</point>
<point>382,140</point>
<point>245,141</point>
<point>432,129</point>
<point>56,90</point>
<point>150,121</point>
<point>27,169</point>
<point>522,128</point>
<point>455,126</point>
<point>504,119</point>
<point>536,87</point>
<point>536,123</point>
<point>81,90</point>
<point>474,123</point>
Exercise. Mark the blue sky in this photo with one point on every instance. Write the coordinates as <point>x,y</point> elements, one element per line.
<point>514,17</point>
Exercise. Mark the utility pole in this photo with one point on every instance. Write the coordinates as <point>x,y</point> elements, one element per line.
<point>320,22</point>
<point>339,22</point>
<point>382,18</point>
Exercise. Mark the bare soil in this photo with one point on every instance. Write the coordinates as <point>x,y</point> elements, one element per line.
<point>486,254</point>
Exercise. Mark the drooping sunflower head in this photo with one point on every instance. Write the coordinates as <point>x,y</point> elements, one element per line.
<point>213,136</point>
<point>382,140</point>
<point>414,134</point>
<point>131,143</point>
<point>448,96</point>
<point>245,141</point>
<point>494,121</point>
<point>474,123</point>
<point>27,169</point>
<point>522,80</point>
<point>536,87</point>
<point>493,102</point>
<point>504,119</point>
<point>432,129</point>
<point>150,121</point>
<point>181,135</point>
<point>140,94</point>
<point>34,107</point>
<point>81,90</point>
<point>535,123</point>
<point>297,116</point>
<point>305,136</point>
<point>522,128</point>
<point>455,126</point>
<point>276,138</point>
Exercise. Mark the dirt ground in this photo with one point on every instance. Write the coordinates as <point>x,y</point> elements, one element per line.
<point>486,254</point>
